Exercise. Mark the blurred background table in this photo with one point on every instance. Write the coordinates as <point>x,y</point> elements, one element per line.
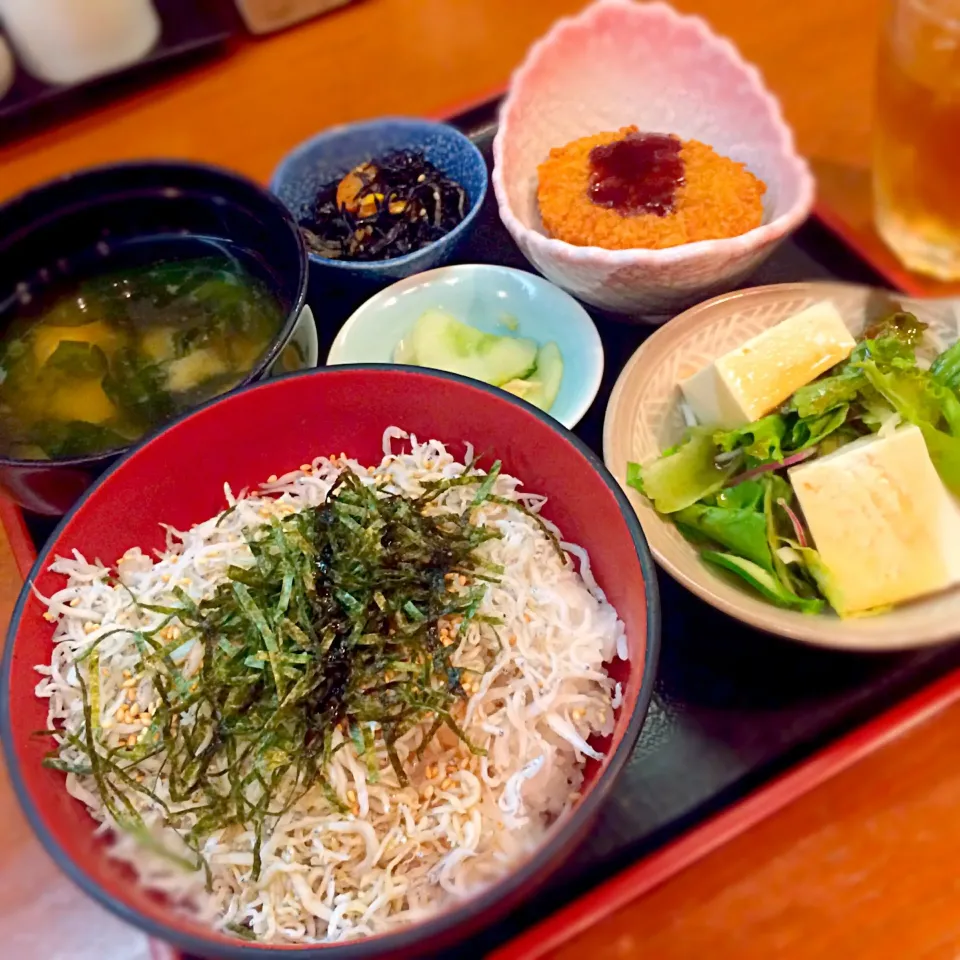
<point>861,867</point>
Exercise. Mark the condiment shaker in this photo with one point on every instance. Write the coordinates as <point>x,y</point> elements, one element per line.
<point>68,41</point>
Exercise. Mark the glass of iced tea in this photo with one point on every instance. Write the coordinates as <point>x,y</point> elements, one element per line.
<point>917,136</point>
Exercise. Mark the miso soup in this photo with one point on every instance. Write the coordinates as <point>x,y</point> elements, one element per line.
<point>94,363</point>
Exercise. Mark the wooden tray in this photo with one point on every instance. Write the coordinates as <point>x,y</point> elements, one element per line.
<point>543,941</point>
<point>735,712</point>
<point>845,205</point>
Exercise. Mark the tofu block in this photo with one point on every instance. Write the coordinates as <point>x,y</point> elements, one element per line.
<point>190,371</point>
<point>885,525</point>
<point>751,381</point>
<point>46,339</point>
<point>86,400</point>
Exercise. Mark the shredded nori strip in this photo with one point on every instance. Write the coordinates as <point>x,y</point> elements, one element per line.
<point>336,624</point>
<point>413,204</point>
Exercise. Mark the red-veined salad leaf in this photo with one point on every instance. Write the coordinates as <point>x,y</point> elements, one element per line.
<point>774,488</point>
<point>780,531</point>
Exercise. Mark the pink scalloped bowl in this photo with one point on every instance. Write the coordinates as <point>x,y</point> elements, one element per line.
<point>620,63</point>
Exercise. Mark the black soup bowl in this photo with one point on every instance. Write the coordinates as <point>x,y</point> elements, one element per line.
<point>98,219</point>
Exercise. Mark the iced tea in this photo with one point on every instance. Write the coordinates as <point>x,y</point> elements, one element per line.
<point>917,138</point>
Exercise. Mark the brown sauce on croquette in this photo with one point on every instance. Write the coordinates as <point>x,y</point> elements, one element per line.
<point>719,197</point>
<point>638,174</point>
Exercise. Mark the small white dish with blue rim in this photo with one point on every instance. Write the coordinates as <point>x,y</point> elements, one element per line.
<point>493,299</point>
<point>335,152</point>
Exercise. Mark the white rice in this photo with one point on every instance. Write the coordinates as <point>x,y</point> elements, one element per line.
<point>403,853</point>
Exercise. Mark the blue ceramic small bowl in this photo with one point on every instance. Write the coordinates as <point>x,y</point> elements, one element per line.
<point>494,299</point>
<point>333,153</point>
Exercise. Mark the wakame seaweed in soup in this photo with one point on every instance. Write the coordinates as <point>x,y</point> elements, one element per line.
<point>92,365</point>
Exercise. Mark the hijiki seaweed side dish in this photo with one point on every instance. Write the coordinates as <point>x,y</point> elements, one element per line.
<point>384,208</point>
<point>352,695</point>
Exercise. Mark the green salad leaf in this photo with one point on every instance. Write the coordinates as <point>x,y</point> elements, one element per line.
<point>821,576</point>
<point>764,582</point>
<point>747,495</point>
<point>912,393</point>
<point>900,325</point>
<point>891,340</point>
<point>946,368</point>
<point>823,396</point>
<point>775,488</point>
<point>921,400</point>
<point>794,581</point>
<point>740,530</point>
<point>809,431</point>
<point>944,451</point>
<point>760,439</point>
<point>874,409</point>
<point>744,521</point>
<point>684,476</point>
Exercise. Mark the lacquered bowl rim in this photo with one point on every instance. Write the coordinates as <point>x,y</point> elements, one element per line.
<point>279,340</point>
<point>282,173</point>
<point>531,871</point>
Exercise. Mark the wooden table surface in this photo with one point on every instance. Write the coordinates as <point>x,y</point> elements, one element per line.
<point>863,867</point>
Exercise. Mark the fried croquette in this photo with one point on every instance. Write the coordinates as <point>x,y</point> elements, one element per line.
<point>718,198</point>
